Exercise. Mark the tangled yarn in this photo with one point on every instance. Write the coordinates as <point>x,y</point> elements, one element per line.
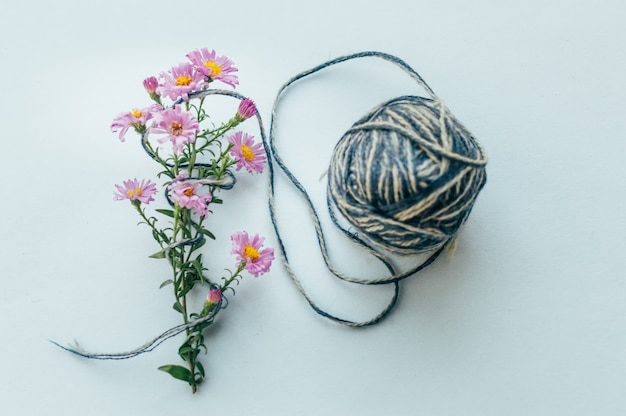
<point>405,177</point>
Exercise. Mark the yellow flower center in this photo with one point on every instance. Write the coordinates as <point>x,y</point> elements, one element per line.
<point>215,68</point>
<point>136,192</point>
<point>183,80</point>
<point>247,153</point>
<point>136,113</point>
<point>188,192</point>
<point>251,253</point>
<point>176,128</point>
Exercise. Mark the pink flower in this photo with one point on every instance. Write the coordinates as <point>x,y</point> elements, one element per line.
<point>215,68</point>
<point>178,126</point>
<point>248,250</point>
<point>187,194</point>
<point>247,153</point>
<point>136,118</point>
<point>180,81</point>
<point>150,84</point>
<point>247,109</point>
<point>213,297</point>
<point>136,191</point>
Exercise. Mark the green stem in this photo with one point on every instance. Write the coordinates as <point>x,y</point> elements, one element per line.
<point>182,219</point>
<point>156,231</point>
<point>183,228</point>
<point>218,132</point>
<point>179,286</point>
<point>157,157</point>
<point>227,162</point>
<point>235,275</point>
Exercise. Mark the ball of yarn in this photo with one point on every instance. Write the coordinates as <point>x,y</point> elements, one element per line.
<point>406,175</point>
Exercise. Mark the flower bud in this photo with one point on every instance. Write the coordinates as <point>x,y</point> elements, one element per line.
<point>151,84</point>
<point>213,297</point>
<point>247,109</point>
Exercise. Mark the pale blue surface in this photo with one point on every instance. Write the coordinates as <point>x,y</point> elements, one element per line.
<point>527,318</point>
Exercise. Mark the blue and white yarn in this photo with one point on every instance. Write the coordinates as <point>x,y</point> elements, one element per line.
<point>405,176</point>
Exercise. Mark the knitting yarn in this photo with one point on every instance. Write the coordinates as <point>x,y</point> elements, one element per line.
<point>406,175</point>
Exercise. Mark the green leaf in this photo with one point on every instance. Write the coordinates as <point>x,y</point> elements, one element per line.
<point>164,236</point>
<point>167,212</point>
<point>178,372</point>
<point>200,368</point>
<point>206,351</point>
<point>199,244</point>
<point>187,353</point>
<point>184,291</point>
<point>158,255</point>
<point>178,307</point>
<point>166,173</point>
<point>207,233</point>
<point>167,282</point>
<point>184,350</point>
<point>197,265</point>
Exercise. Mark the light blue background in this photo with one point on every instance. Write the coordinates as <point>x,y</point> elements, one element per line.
<point>528,317</point>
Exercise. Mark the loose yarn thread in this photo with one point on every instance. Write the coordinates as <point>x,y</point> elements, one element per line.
<point>75,348</point>
<point>226,183</point>
<point>405,176</point>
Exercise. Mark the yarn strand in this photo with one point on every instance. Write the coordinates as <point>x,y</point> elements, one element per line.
<point>440,144</point>
<point>226,183</point>
<point>147,347</point>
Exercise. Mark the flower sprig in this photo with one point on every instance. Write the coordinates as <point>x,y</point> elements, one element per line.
<point>197,164</point>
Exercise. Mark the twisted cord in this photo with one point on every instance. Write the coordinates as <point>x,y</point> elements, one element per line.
<point>409,182</point>
<point>225,183</point>
<point>148,346</point>
<point>394,275</point>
